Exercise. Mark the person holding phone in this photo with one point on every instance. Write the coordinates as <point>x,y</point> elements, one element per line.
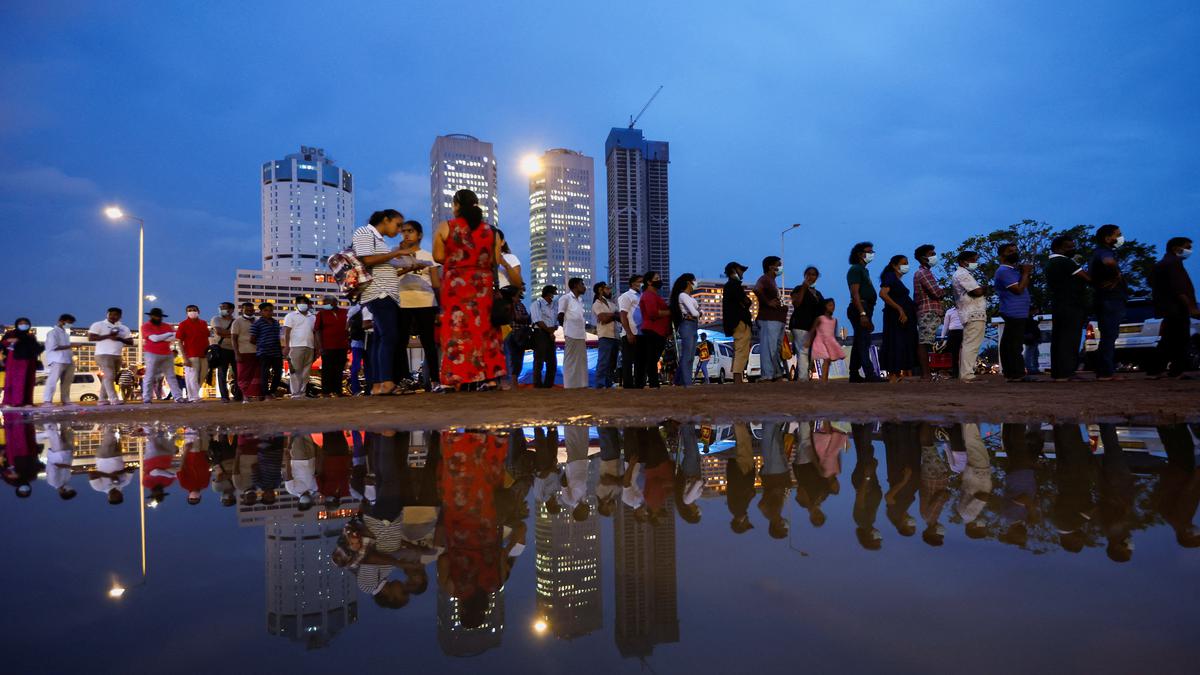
<point>420,278</point>
<point>1012,285</point>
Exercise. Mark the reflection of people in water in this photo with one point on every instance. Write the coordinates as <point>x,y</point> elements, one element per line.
<point>110,475</point>
<point>60,448</point>
<point>222,456</point>
<point>1074,471</point>
<point>1116,497</point>
<point>659,473</point>
<point>21,453</point>
<point>976,478</point>
<point>689,483</point>
<point>867,493</point>
<point>546,479</point>
<point>1020,486</point>
<point>575,474</point>
<point>739,479</point>
<point>902,452</point>
<point>193,470</point>
<point>268,470</point>
<point>776,480</point>
<point>1178,492</point>
<point>935,484</point>
<point>612,471</point>
<point>300,470</point>
<point>811,487</point>
<point>333,468</point>
<point>158,461</point>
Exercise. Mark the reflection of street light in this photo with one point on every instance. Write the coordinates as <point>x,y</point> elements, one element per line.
<point>782,283</point>
<point>116,591</point>
<point>531,164</point>
<point>116,213</point>
<point>540,626</point>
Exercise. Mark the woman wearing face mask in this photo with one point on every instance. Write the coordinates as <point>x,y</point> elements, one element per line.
<point>21,350</point>
<point>860,311</point>
<point>899,352</point>
<point>685,314</point>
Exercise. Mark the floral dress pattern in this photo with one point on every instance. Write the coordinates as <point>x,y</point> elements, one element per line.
<point>472,470</point>
<point>470,344</point>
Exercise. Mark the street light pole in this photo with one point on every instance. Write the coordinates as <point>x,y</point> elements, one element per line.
<point>782,282</point>
<point>116,213</point>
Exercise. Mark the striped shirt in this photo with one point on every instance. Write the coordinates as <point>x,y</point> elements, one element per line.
<point>388,539</point>
<point>384,283</point>
<point>266,337</point>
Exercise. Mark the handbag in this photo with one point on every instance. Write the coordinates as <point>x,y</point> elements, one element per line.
<point>785,348</point>
<point>502,305</point>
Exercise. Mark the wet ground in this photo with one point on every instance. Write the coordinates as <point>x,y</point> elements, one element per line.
<point>808,543</point>
<point>1136,400</point>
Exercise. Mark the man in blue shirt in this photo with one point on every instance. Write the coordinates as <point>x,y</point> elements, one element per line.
<point>1012,285</point>
<point>264,333</point>
<point>544,316</point>
<point>1111,294</point>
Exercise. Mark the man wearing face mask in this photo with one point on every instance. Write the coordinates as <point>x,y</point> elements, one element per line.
<point>860,312</point>
<point>629,312</point>
<point>222,324</point>
<point>771,318</point>
<point>157,336</point>
<point>333,337</point>
<point>1066,287</point>
<point>1175,303</point>
<point>249,372</point>
<point>192,334</point>
<point>1012,285</point>
<point>59,361</point>
<point>299,345</point>
<point>928,295</point>
<point>971,300</point>
<point>1111,293</point>
<point>735,312</point>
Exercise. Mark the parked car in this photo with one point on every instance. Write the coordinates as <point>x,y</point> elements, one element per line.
<point>84,387</point>
<point>1044,327</point>
<point>720,366</point>
<point>754,364</point>
<point>1138,338</point>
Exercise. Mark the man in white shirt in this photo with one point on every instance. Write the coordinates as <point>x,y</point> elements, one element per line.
<point>59,361</point>
<point>545,358</point>
<point>570,307</point>
<point>631,317</point>
<point>111,337</point>
<point>970,298</point>
<point>299,345</point>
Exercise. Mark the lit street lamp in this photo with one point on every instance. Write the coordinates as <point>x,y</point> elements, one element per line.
<point>531,164</point>
<point>782,283</point>
<point>151,297</point>
<point>115,213</point>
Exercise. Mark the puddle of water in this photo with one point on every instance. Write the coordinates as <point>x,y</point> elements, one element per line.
<point>674,548</point>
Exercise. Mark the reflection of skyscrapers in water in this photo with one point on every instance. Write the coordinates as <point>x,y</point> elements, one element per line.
<point>647,606</point>
<point>456,639</point>
<point>309,599</point>
<point>568,573</point>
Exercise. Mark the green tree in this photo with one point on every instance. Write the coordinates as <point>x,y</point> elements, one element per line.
<point>1033,240</point>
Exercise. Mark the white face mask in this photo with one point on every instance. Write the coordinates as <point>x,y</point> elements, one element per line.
<point>1119,242</point>
<point>68,325</point>
<point>302,308</point>
<point>193,315</point>
<point>868,257</point>
<point>904,269</point>
<point>931,260</point>
<point>973,266</point>
<point>1185,252</point>
<point>224,312</point>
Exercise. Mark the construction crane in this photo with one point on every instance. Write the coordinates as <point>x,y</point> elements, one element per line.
<point>633,120</point>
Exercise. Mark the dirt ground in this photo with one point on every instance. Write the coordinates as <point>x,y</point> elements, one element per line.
<point>1136,400</point>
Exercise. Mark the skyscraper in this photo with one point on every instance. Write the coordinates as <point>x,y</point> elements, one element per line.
<point>568,572</point>
<point>639,224</point>
<point>458,162</point>
<point>307,211</point>
<point>562,221</point>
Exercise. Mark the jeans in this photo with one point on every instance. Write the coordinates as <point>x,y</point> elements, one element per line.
<point>1110,312</point>
<point>606,356</point>
<point>195,369</point>
<point>803,363</point>
<point>109,365</point>
<point>769,335</point>
<point>687,352</point>
<point>58,375</point>
<point>1032,358</point>
<point>972,338</point>
<point>651,353</point>
<point>300,360</point>
<point>159,366</point>
<point>515,356</point>
<point>545,359</point>
<point>575,375</point>
<point>356,366</point>
<point>333,365</point>
<point>419,321</point>
<point>249,376</point>
<point>1011,344</point>
<point>860,349</point>
<point>632,374</point>
<point>271,368</point>
<point>1066,330</point>
<point>385,314</point>
<point>702,371</point>
<point>228,363</point>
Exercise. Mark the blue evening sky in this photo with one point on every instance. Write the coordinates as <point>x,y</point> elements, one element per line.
<point>896,122</point>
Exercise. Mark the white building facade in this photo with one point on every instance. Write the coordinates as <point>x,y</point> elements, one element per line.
<point>458,162</point>
<point>307,211</point>
<point>562,219</point>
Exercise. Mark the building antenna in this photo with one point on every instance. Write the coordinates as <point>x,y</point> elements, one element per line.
<point>633,119</point>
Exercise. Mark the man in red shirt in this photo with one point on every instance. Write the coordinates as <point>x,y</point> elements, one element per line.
<point>192,334</point>
<point>333,342</point>
<point>656,325</point>
<point>157,336</point>
<point>193,475</point>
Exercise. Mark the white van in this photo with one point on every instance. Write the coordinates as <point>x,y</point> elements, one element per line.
<point>720,365</point>
<point>85,387</point>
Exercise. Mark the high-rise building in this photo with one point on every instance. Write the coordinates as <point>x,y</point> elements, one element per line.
<point>307,211</point>
<point>639,223</point>
<point>458,162</point>
<point>646,595</point>
<point>562,221</point>
<point>568,572</point>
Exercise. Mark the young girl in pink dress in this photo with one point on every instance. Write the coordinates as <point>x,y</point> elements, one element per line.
<point>823,340</point>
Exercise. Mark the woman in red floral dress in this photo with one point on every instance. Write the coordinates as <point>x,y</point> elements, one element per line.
<point>469,251</point>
